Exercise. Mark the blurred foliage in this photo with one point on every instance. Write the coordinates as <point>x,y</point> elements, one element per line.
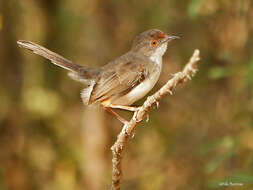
<point>200,137</point>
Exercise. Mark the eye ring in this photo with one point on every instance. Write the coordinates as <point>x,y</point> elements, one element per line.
<point>154,43</point>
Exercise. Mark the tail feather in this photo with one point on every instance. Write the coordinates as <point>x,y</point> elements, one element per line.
<point>79,78</point>
<point>58,60</point>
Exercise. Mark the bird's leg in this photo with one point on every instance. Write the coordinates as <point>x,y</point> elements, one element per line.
<point>128,108</point>
<point>121,119</point>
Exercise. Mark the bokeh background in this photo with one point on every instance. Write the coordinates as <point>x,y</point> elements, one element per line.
<point>198,138</point>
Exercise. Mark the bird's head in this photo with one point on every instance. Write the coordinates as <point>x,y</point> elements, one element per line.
<point>152,42</point>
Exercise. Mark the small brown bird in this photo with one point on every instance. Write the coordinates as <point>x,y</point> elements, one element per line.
<point>122,81</point>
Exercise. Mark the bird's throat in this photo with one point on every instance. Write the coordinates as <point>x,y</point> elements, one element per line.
<point>158,54</point>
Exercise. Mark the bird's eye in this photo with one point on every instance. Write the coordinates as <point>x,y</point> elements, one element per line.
<point>154,43</point>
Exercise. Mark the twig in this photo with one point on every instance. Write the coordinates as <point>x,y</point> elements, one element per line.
<point>128,129</point>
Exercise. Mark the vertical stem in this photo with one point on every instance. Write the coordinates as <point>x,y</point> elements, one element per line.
<point>117,150</point>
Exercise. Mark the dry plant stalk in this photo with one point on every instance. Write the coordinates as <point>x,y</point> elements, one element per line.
<point>128,129</point>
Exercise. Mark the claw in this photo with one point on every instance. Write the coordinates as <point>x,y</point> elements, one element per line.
<point>135,117</point>
<point>170,92</point>
<point>147,119</point>
<point>157,105</point>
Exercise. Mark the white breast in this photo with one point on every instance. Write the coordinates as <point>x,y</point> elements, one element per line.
<point>144,87</point>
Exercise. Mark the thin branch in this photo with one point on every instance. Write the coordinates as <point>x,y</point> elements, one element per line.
<point>128,129</point>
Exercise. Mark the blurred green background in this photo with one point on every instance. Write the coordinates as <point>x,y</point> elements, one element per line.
<point>198,138</point>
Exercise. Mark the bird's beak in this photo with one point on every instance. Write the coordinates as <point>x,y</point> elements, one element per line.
<point>169,38</point>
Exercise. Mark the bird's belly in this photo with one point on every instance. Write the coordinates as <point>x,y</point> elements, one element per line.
<point>138,92</point>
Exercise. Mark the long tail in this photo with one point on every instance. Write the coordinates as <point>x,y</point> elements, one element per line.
<point>56,59</point>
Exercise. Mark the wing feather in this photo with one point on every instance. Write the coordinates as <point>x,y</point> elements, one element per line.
<point>118,78</point>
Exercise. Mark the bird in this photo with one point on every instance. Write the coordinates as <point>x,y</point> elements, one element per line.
<point>122,81</point>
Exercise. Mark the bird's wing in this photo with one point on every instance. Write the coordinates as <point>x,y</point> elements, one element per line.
<point>118,78</point>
